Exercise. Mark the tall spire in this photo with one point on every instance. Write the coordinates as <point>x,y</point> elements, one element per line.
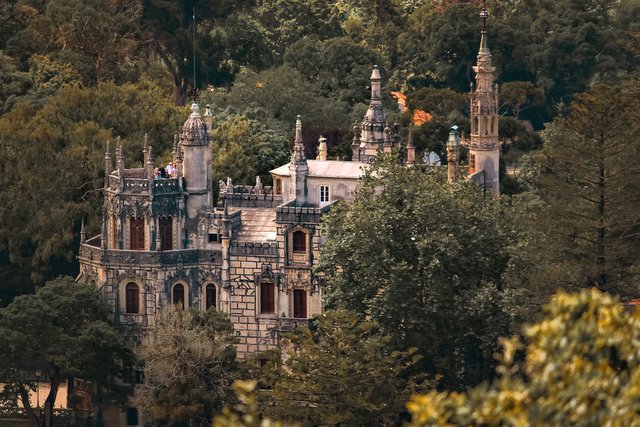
<point>298,155</point>
<point>372,137</point>
<point>484,145</point>
<point>298,169</point>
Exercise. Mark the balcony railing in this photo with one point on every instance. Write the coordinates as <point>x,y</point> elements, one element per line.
<point>126,257</point>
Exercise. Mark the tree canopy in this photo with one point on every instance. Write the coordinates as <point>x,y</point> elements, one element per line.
<point>190,366</point>
<point>427,261</point>
<point>345,372</point>
<point>580,367</point>
<point>64,330</point>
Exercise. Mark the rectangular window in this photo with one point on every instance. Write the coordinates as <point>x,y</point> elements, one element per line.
<point>277,186</point>
<point>324,195</point>
<point>136,234</point>
<point>166,233</point>
<point>472,162</point>
<point>299,304</point>
<point>267,298</point>
<point>114,233</point>
<point>299,241</point>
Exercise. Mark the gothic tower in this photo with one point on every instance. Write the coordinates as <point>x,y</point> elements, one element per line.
<point>375,135</point>
<point>484,146</point>
<point>298,169</point>
<point>196,163</point>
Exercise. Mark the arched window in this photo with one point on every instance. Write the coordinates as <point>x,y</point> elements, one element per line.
<point>178,295</point>
<point>210,296</point>
<point>132,298</point>
<point>299,241</point>
<point>166,233</point>
<point>136,234</point>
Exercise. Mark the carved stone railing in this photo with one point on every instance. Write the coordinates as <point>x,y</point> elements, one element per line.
<point>254,248</point>
<point>288,324</point>
<point>291,214</point>
<point>125,257</point>
<point>166,186</point>
<point>136,185</point>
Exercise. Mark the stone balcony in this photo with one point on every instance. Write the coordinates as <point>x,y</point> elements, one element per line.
<point>90,253</point>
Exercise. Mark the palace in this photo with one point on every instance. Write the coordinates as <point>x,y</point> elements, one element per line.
<point>251,256</point>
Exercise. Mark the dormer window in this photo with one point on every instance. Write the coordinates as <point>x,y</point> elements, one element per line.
<point>299,242</point>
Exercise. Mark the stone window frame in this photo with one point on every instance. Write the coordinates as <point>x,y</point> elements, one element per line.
<point>298,257</point>
<point>472,162</point>
<point>259,292</point>
<point>163,244</point>
<point>277,186</point>
<point>186,303</point>
<point>122,296</point>
<point>130,232</point>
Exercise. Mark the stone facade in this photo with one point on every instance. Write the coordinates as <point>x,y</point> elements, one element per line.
<point>252,256</point>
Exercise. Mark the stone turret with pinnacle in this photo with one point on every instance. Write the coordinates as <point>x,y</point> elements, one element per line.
<point>484,145</point>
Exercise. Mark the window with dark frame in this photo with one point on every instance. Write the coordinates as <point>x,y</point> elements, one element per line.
<point>299,304</point>
<point>166,233</point>
<point>132,298</point>
<point>267,298</point>
<point>178,295</point>
<point>210,296</point>
<point>136,234</point>
<point>472,162</point>
<point>299,241</point>
<point>324,194</point>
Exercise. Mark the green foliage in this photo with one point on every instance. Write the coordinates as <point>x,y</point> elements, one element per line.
<point>189,367</point>
<point>280,94</point>
<point>51,163</point>
<point>343,372</point>
<point>244,148</point>
<point>426,260</point>
<point>580,368</point>
<point>13,82</point>
<point>590,187</point>
<point>64,330</point>
<point>245,413</point>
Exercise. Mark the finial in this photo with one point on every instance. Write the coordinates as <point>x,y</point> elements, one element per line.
<point>83,232</point>
<point>298,139</point>
<point>107,153</point>
<point>207,111</point>
<point>150,159</point>
<point>120,150</point>
<point>146,140</point>
<point>484,14</point>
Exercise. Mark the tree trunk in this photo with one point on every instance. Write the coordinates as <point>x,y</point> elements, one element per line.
<point>50,402</point>
<point>24,395</point>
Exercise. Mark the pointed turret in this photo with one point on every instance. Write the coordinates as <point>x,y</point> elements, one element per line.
<point>484,145</point>
<point>453,147</point>
<point>355,145</point>
<point>298,169</point>
<point>372,137</point>
<point>120,157</point>
<point>83,232</point>
<point>107,161</point>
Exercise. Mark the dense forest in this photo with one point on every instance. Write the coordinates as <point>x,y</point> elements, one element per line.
<point>77,73</point>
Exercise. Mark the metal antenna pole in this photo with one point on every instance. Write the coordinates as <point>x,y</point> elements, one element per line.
<point>195,92</point>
